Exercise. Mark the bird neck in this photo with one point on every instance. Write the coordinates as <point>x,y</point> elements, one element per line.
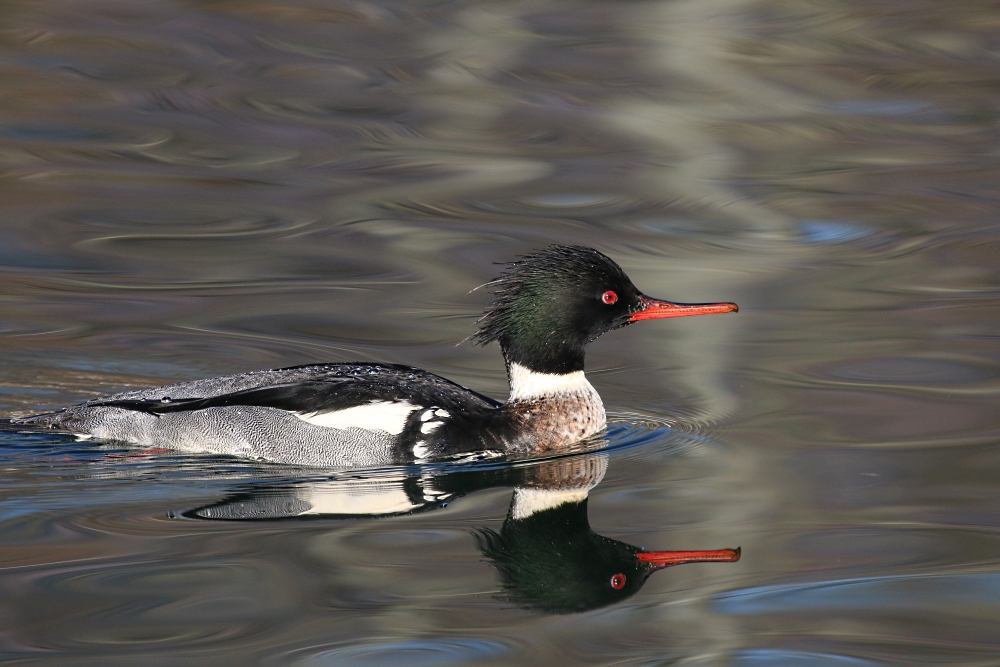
<point>528,385</point>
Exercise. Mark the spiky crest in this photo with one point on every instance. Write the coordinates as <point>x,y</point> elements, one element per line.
<point>546,307</point>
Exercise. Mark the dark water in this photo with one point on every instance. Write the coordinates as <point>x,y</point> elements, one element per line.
<point>200,187</point>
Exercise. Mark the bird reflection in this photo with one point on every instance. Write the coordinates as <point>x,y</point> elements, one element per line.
<point>548,557</point>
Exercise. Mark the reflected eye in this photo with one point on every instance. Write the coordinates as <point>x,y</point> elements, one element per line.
<point>609,297</point>
<point>618,581</point>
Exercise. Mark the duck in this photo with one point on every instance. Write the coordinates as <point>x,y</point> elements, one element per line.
<point>547,307</point>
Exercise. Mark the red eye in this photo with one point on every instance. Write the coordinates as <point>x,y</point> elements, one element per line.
<point>618,581</point>
<point>609,297</point>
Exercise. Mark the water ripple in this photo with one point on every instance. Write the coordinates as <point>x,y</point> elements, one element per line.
<point>923,593</point>
<point>773,657</point>
<point>416,653</point>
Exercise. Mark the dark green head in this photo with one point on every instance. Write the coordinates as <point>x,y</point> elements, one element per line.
<point>548,306</point>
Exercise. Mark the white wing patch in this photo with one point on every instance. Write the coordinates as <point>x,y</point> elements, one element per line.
<point>420,450</point>
<point>431,420</point>
<point>378,416</point>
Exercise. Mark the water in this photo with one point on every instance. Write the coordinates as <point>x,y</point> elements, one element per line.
<point>208,187</point>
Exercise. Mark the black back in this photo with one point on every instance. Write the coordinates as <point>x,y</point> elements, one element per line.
<point>331,387</point>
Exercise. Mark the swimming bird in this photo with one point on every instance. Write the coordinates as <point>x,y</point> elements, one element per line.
<point>547,307</point>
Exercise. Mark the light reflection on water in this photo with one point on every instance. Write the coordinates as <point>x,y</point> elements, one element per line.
<point>211,187</point>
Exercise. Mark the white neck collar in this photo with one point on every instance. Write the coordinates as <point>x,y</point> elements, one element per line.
<point>526,384</point>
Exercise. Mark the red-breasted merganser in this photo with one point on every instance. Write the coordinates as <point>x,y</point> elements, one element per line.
<point>547,307</point>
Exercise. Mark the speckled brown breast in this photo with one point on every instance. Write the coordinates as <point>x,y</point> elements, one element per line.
<point>549,425</point>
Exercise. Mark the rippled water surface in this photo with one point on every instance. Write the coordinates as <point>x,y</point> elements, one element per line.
<point>193,188</point>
